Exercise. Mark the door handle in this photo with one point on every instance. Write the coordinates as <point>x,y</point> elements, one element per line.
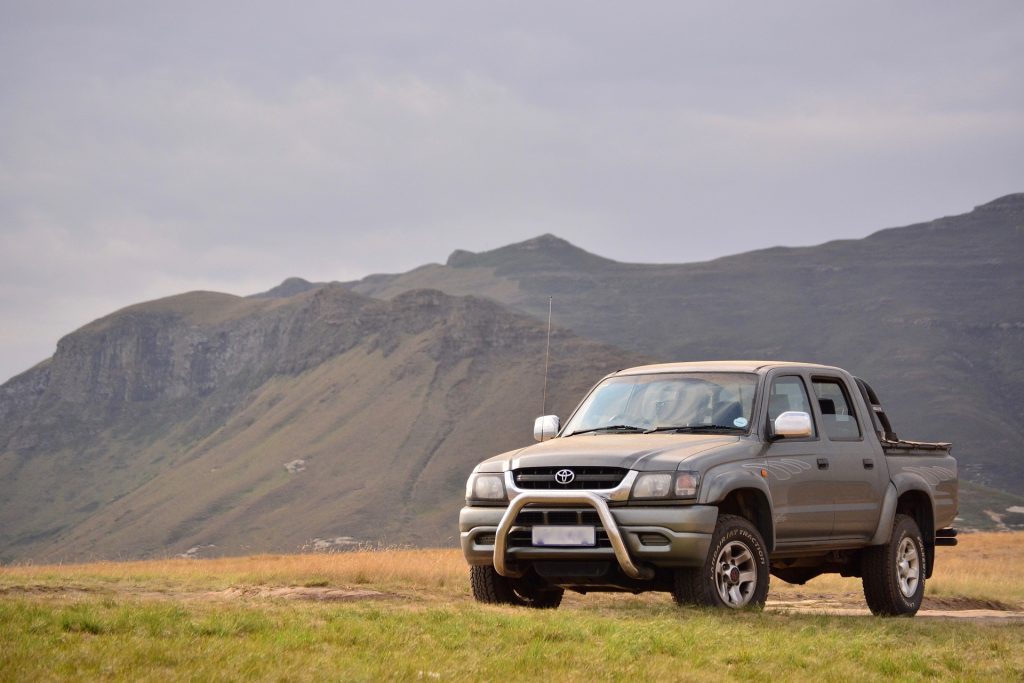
<point>869,464</point>
<point>822,463</point>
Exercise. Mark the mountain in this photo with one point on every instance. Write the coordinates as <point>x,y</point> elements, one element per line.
<point>237,424</point>
<point>289,288</point>
<point>932,315</point>
<point>315,415</point>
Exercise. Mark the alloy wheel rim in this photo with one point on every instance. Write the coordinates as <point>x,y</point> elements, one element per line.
<point>735,574</point>
<point>908,567</point>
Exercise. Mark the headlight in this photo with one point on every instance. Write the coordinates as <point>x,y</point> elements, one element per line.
<point>656,485</point>
<point>485,487</point>
<point>660,485</point>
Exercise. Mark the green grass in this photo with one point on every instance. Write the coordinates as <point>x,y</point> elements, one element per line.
<point>173,620</point>
<point>131,639</point>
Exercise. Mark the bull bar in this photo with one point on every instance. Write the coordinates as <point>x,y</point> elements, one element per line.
<point>564,498</point>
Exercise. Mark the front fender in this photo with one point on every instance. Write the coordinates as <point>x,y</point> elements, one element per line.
<point>720,481</point>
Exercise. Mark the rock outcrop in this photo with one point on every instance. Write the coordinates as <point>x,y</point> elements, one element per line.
<point>164,426</point>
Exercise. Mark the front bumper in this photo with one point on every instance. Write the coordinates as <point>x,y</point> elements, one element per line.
<point>682,534</point>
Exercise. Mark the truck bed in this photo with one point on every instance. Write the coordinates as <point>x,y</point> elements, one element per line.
<point>902,447</point>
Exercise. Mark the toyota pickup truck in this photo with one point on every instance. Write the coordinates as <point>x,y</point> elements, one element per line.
<point>701,479</point>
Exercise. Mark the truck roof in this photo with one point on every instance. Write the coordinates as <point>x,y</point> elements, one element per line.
<point>719,366</point>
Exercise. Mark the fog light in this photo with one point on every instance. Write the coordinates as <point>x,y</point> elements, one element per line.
<point>652,539</point>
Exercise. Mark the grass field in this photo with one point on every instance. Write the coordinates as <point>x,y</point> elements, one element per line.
<point>407,615</point>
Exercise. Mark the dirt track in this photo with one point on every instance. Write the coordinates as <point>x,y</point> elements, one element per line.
<point>946,608</point>
<point>804,603</point>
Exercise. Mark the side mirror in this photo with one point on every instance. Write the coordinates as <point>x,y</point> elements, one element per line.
<point>794,425</point>
<point>545,427</point>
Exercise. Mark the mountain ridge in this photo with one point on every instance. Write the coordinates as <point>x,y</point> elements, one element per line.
<point>929,313</point>
<point>355,410</point>
<point>157,428</point>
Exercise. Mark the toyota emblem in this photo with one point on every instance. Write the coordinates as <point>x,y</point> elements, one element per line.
<point>564,476</point>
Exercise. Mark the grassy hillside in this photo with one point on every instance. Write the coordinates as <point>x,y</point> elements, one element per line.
<point>931,315</point>
<point>407,615</point>
<point>228,424</point>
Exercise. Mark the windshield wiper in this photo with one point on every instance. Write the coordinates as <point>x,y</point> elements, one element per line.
<point>611,428</point>
<point>689,429</point>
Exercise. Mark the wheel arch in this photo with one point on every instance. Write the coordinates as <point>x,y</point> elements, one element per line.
<point>907,496</point>
<point>914,498</point>
<point>917,505</point>
<point>753,505</point>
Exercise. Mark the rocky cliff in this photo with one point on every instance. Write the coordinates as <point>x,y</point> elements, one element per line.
<point>212,420</point>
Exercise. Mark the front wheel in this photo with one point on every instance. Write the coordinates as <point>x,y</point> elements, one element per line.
<point>491,587</point>
<point>893,574</point>
<point>735,573</point>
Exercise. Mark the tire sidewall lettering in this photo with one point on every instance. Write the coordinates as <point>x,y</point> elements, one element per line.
<point>913,600</point>
<point>753,545</point>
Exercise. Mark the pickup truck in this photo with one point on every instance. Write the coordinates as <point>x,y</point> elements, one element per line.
<point>701,479</point>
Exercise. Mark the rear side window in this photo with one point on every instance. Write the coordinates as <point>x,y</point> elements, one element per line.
<point>789,393</point>
<point>837,416</point>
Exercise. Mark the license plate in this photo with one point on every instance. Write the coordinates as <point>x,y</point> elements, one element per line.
<point>564,535</point>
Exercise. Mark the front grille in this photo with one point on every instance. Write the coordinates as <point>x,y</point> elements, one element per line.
<point>558,516</point>
<point>584,477</point>
<point>522,536</point>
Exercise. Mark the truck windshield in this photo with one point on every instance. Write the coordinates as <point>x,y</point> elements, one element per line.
<point>684,402</point>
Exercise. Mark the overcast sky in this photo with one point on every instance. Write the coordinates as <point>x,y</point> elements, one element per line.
<point>152,148</point>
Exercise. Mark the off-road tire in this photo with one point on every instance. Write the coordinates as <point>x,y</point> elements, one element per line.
<point>536,594</point>
<point>684,580</point>
<point>735,542</point>
<point>887,569</point>
<point>491,587</point>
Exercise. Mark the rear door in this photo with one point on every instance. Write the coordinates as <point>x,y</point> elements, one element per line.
<point>799,483</point>
<point>855,460</point>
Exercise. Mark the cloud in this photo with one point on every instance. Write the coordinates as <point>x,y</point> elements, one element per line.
<point>145,150</point>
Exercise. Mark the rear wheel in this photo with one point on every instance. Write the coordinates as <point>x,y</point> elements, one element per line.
<point>491,587</point>
<point>894,573</point>
<point>735,573</point>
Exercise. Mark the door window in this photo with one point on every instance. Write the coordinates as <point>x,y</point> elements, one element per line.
<point>789,393</point>
<point>837,416</point>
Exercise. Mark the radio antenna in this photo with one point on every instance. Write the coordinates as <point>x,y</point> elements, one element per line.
<point>547,355</point>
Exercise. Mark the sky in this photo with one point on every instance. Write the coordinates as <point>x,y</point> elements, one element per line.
<point>151,148</point>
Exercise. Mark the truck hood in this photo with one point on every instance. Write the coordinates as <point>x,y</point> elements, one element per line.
<point>631,451</point>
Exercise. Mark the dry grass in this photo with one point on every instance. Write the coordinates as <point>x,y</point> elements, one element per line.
<point>983,566</point>
<point>402,571</point>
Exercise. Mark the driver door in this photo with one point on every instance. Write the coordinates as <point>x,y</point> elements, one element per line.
<point>798,474</point>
